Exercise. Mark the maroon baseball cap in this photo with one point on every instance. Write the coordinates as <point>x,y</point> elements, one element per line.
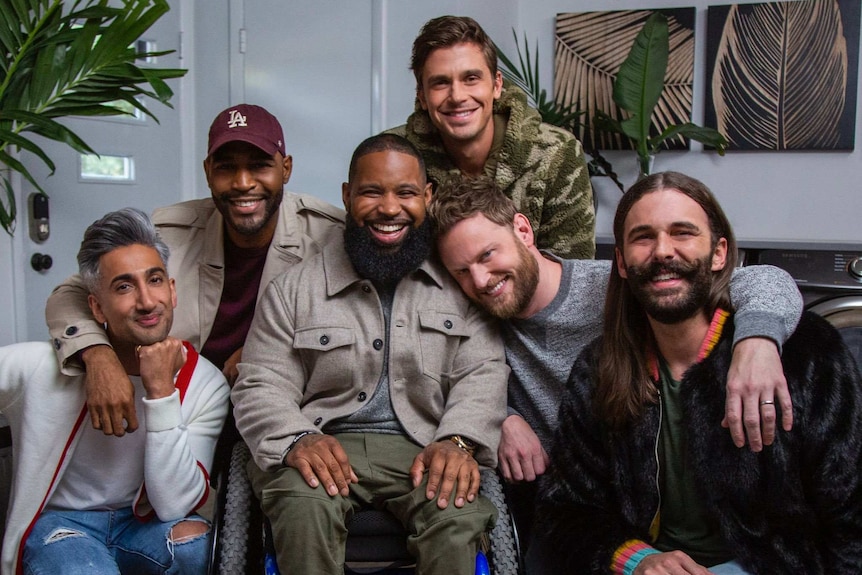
<point>246,123</point>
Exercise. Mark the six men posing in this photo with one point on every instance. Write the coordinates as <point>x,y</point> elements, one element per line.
<point>368,378</point>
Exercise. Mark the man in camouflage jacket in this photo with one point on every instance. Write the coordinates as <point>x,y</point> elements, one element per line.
<point>468,122</point>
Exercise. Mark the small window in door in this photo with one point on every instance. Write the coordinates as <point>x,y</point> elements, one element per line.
<point>106,168</point>
<point>146,46</point>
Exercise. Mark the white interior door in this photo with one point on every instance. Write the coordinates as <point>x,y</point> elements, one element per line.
<point>309,63</point>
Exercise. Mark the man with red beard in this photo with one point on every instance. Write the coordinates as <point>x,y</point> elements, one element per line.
<point>643,481</point>
<point>368,378</point>
<point>553,309</point>
<point>225,250</point>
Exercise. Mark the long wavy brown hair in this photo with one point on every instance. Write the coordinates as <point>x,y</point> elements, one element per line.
<point>624,383</point>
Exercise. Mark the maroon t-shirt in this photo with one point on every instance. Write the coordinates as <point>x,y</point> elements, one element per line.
<point>243,270</point>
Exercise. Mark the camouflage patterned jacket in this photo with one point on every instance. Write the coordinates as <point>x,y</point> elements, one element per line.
<point>541,167</point>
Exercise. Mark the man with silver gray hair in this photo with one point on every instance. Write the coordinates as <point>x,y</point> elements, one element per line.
<point>84,502</point>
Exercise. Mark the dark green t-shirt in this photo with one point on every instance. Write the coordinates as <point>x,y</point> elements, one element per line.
<point>685,524</point>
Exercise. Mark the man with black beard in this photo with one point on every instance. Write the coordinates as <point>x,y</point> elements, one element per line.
<point>644,481</point>
<point>368,378</point>
<point>642,281</point>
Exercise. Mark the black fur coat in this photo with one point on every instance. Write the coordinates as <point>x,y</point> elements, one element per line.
<point>794,509</point>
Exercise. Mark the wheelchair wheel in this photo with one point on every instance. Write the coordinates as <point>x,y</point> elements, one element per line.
<point>237,513</point>
<point>503,553</point>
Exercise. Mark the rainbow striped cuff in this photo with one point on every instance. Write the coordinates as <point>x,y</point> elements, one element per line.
<point>629,555</point>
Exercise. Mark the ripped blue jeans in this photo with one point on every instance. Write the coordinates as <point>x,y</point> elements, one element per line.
<point>112,542</point>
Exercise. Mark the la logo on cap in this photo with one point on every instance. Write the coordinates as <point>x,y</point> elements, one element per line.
<point>236,120</point>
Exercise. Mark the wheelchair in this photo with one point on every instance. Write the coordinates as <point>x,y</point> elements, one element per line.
<point>376,541</point>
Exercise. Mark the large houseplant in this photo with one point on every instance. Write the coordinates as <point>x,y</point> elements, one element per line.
<point>638,86</point>
<point>74,58</point>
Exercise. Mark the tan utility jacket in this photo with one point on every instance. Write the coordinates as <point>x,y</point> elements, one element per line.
<point>194,232</point>
<point>315,353</point>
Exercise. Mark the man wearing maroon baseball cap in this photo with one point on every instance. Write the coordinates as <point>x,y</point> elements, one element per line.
<point>247,142</point>
<point>224,251</point>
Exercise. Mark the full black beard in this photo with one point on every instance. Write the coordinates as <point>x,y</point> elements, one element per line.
<point>386,265</point>
<point>697,273</point>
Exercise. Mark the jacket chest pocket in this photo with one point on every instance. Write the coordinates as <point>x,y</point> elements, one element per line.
<point>440,335</point>
<point>327,352</point>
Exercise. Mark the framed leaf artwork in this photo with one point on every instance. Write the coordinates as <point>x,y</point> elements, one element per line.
<point>589,48</point>
<point>782,75</point>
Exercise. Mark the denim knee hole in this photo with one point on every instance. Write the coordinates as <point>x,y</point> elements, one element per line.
<point>62,533</point>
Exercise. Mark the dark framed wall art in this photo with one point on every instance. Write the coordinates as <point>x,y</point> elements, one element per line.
<point>782,75</point>
<point>589,48</point>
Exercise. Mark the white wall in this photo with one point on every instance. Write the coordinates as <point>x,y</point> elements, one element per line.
<point>13,326</point>
<point>794,196</point>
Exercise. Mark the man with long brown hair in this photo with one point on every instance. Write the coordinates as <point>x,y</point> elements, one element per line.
<point>643,481</point>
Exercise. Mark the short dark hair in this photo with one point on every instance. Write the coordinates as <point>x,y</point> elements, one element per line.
<point>125,227</point>
<point>446,31</point>
<point>383,143</point>
<point>463,197</point>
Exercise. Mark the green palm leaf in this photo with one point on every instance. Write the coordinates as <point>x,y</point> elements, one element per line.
<point>640,80</point>
<point>70,58</point>
<point>638,89</point>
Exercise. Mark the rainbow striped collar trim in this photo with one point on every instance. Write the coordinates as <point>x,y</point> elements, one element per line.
<point>713,335</point>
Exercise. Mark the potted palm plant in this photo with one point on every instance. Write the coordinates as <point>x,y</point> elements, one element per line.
<point>637,89</point>
<point>74,58</point>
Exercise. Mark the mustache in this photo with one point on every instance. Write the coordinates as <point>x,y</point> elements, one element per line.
<point>653,269</point>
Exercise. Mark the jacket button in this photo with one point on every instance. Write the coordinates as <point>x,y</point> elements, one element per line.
<point>361,396</point>
<point>318,420</point>
<point>447,324</point>
<point>378,344</point>
<point>71,330</point>
<point>324,339</point>
<point>366,289</point>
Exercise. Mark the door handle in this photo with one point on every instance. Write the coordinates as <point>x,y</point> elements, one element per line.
<point>41,262</point>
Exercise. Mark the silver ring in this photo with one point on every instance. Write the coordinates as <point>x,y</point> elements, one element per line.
<point>767,402</point>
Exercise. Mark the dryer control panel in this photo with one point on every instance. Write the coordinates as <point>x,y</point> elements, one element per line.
<point>818,268</point>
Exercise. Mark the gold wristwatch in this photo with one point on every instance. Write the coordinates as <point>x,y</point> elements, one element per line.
<point>464,443</point>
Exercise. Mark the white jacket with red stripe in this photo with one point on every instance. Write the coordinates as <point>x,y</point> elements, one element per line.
<point>46,411</point>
